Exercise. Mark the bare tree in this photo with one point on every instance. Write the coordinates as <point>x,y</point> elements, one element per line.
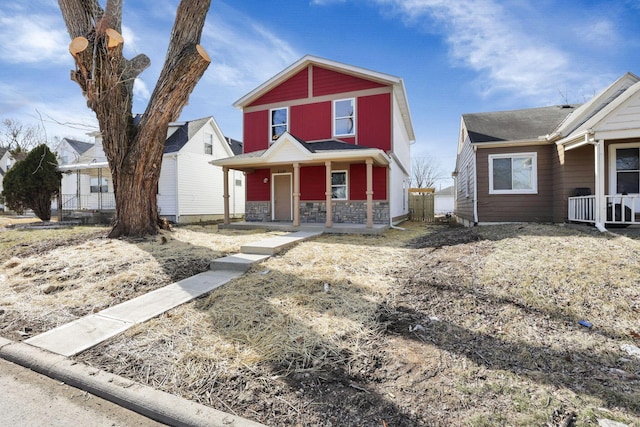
<point>425,172</point>
<point>19,138</point>
<point>133,150</point>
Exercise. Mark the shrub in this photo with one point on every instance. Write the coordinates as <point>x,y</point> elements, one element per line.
<point>32,183</point>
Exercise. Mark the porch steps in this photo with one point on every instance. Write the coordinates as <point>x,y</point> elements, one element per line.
<point>237,262</point>
<point>274,245</point>
<point>259,251</point>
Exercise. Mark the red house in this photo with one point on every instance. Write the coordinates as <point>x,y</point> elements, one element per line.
<point>327,143</point>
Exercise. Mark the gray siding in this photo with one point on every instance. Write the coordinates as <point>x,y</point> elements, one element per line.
<point>516,207</point>
<point>465,183</point>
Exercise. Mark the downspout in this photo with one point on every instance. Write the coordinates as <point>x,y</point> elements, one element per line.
<point>475,185</point>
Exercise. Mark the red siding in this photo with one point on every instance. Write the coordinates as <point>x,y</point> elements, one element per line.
<point>311,122</point>
<point>256,131</point>
<point>374,121</point>
<point>358,182</point>
<point>328,82</point>
<point>379,183</point>
<point>296,87</point>
<point>257,189</point>
<point>312,183</point>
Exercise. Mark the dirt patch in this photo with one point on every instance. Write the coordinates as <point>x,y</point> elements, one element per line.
<point>433,325</point>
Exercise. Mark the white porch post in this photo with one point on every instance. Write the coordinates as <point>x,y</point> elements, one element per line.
<point>601,203</point>
<point>328,194</point>
<point>369,193</point>
<point>296,194</point>
<point>225,195</point>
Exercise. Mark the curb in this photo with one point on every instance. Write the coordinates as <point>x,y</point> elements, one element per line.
<point>145,400</point>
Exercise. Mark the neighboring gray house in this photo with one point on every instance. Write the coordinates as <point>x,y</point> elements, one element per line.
<point>553,164</point>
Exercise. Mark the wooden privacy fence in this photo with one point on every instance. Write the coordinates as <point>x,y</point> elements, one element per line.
<point>421,204</point>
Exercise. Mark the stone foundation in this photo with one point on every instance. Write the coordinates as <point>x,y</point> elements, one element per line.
<point>258,211</point>
<point>344,212</point>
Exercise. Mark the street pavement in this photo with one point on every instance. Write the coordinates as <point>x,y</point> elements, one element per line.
<point>31,399</point>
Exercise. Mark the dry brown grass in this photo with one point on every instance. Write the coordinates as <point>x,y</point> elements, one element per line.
<point>428,326</point>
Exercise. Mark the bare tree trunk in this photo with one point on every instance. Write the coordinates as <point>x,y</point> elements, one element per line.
<point>134,151</point>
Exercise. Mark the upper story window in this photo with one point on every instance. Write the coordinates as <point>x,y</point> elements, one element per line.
<point>344,117</point>
<point>208,143</point>
<point>279,122</point>
<point>339,185</point>
<point>513,173</point>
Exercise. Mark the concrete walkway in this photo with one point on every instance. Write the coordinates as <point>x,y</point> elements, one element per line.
<point>81,334</point>
<point>47,353</point>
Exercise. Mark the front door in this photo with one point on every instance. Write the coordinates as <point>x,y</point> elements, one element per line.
<point>281,197</point>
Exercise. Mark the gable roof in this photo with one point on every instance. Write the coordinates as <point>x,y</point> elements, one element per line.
<point>184,132</point>
<point>236,146</point>
<point>80,147</point>
<point>396,82</point>
<point>515,125</point>
<point>596,104</point>
<point>288,148</point>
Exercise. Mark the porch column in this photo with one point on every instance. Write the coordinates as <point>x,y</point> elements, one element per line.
<point>601,203</point>
<point>296,194</point>
<point>328,194</point>
<point>369,193</point>
<point>225,195</point>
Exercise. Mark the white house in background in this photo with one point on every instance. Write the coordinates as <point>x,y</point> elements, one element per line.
<point>189,189</point>
<point>443,201</point>
<point>5,163</point>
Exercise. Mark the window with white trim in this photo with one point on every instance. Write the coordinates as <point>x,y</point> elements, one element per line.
<point>344,117</point>
<point>515,173</point>
<point>99,185</point>
<point>208,143</point>
<point>339,185</point>
<point>627,179</point>
<point>279,119</point>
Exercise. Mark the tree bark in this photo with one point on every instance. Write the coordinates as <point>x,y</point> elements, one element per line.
<point>134,151</point>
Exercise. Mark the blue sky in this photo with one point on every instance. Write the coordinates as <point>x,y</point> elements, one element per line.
<point>455,57</point>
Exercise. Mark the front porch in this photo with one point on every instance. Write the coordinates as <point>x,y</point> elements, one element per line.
<point>619,210</point>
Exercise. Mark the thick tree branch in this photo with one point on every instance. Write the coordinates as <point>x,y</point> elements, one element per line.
<point>80,16</point>
<point>187,27</point>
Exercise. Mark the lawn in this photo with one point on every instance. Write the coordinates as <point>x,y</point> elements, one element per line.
<point>430,325</point>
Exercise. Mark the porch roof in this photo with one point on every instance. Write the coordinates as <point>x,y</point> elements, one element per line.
<point>289,149</point>
<point>83,166</point>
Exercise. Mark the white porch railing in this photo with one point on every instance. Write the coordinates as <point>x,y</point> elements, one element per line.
<point>621,209</point>
<point>93,202</point>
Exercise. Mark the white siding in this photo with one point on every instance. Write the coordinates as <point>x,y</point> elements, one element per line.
<point>167,186</point>
<point>626,116</point>
<point>200,184</point>
<point>398,179</point>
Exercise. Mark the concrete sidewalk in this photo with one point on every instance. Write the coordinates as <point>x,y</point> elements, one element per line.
<point>84,333</point>
<point>47,353</point>
<point>81,334</point>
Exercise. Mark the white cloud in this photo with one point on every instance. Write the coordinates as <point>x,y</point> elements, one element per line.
<point>507,51</point>
<point>244,53</point>
<point>140,90</point>
<point>33,39</point>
